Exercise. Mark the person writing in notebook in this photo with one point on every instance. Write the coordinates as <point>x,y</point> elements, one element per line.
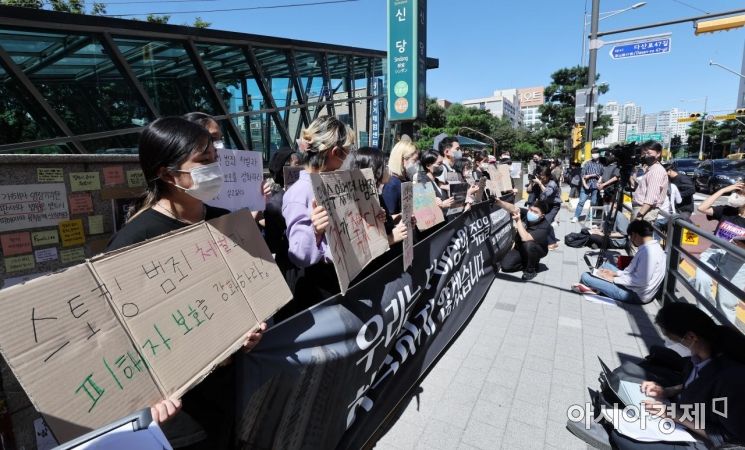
<point>718,357</point>
<point>639,282</point>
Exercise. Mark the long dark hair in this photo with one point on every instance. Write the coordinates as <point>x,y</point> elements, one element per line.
<point>166,142</point>
<point>544,171</point>
<point>200,118</point>
<point>428,158</point>
<point>678,318</point>
<point>372,158</point>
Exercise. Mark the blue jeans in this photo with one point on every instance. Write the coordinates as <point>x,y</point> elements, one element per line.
<point>607,288</point>
<point>584,195</point>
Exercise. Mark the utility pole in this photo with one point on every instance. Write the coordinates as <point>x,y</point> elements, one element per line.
<point>703,130</point>
<point>594,45</point>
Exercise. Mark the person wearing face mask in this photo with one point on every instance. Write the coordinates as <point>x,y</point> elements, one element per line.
<point>450,151</point>
<point>589,178</point>
<point>731,227</point>
<point>403,164</point>
<point>637,283</point>
<point>551,196</point>
<point>324,145</point>
<point>706,398</point>
<point>178,160</point>
<point>531,242</point>
<point>651,190</point>
<point>432,165</point>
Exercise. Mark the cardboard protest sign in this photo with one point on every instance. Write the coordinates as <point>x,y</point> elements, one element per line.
<point>458,192</point>
<point>24,206</point>
<point>356,233</point>
<point>291,174</point>
<point>505,177</point>
<point>407,212</point>
<point>478,196</point>
<point>132,327</point>
<point>499,179</point>
<point>426,211</point>
<point>243,175</point>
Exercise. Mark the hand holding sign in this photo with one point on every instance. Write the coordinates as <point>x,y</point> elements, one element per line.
<point>320,219</point>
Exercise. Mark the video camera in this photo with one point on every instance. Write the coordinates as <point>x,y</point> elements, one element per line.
<point>627,155</point>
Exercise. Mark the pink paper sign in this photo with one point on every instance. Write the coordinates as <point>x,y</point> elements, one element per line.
<point>113,175</point>
<point>16,243</point>
<point>81,203</point>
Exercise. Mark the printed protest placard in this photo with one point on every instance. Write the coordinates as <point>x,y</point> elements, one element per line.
<point>95,224</point>
<point>113,175</point>
<point>72,255</point>
<point>72,232</point>
<point>16,243</point>
<point>50,175</point>
<point>135,178</point>
<point>243,177</point>
<point>426,211</point>
<point>407,212</point>
<point>19,263</point>
<point>291,174</point>
<point>46,254</point>
<point>44,238</point>
<point>458,192</point>
<point>453,177</point>
<point>24,206</point>
<point>85,181</point>
<point>356,233</point>
<point>80,203</point>
<point>505,177</point>
<point>129,328</point>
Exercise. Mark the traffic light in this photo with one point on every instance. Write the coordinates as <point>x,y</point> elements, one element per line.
<point>577,133</point>
<point>740,111</point>
<point>726,23</point>
<point>695,115</point>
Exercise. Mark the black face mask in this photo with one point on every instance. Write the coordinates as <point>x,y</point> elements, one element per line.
<point>649,160</point>
<point>437,171</point>
<point>505,161</point>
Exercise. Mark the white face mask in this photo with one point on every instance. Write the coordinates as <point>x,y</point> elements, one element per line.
<point>595,155</point>
<point>736,200</point>
<point>457,154</point>
<point>678,348</point>
<point>206,182</point>
<point>219,145</point>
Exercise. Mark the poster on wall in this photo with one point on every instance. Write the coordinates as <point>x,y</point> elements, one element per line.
<point>24,206</point>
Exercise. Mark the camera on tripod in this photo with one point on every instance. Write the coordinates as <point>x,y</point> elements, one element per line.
<point>627,155</point>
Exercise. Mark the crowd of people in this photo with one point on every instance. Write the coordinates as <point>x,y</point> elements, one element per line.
<point>178,159</point>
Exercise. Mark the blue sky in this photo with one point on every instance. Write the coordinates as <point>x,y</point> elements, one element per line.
<point>485,45</point>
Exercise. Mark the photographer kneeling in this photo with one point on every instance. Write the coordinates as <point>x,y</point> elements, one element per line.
<point>531,242</point>
<point>639,282</point>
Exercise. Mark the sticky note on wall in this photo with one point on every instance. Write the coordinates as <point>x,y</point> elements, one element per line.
<point>71,232</point>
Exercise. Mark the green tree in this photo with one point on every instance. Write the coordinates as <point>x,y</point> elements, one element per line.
<point>730,137</point>
<point>558,111</point>
<point>68,6</point>
<point>201,23</point>
<point>154,18</point>
<point>694,136</point>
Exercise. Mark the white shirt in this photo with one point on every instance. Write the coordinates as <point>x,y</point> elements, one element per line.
<point>646,271</point>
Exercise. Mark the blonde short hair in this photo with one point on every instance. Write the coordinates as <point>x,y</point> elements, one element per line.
<point>322,135</point>
<point>402,150</point>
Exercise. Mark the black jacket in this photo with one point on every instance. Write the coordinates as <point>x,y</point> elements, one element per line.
<point>686,189</point>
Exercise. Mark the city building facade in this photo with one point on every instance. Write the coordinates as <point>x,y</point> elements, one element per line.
<point>519,105</point>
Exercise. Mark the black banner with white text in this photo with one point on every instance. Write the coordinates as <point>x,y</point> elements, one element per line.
<point>329,376</point>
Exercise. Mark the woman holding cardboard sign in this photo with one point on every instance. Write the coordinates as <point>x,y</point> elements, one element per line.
<point>178,160</point>
<point>324,146</point>
<point>432,165</point>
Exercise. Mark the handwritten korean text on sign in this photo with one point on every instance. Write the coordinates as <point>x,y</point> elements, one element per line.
<point>243,176</point>
<point>85,181</point>
<point>26,206</point>
<point>72,232</point>
<point>426,211</point>
<point>356,234</point>
<point>16,243</point>
<point>49,175</point>
<point>407,212</point>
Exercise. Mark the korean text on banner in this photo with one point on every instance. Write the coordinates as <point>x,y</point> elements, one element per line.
<point>24,206</point>
<point>131,327</point>
<point>243,177</point>
<point>356,233</point>
<point>426,211</point>
<point>407,212</point>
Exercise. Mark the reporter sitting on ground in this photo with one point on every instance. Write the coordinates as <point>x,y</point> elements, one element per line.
<point>531,242</point>
<point>639,282</point>
<point>718,357</point>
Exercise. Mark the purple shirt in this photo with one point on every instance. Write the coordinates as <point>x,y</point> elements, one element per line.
<point>297,205</point>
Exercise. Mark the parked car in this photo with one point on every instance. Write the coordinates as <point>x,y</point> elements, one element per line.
<point>686,165</point>
<point>712,175</point>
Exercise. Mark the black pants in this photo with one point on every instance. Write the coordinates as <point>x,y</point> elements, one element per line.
<point>525,256</point>
<point>550,216</point>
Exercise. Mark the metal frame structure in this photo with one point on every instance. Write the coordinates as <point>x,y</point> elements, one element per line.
<point>94,82</point>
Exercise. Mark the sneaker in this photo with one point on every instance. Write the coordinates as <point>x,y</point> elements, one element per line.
<point>574,220</point>
<point>582,289</point>
<point>553,246</point>
<point>527,276</point>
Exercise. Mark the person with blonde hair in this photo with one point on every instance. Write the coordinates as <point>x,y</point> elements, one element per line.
<point>403,164</point>
<point>324,145</point>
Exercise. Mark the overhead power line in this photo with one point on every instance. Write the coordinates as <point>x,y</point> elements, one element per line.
<point>691,6</point>
<point>248,8</point>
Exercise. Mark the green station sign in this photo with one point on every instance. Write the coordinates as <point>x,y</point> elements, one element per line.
<point>407,60</point>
